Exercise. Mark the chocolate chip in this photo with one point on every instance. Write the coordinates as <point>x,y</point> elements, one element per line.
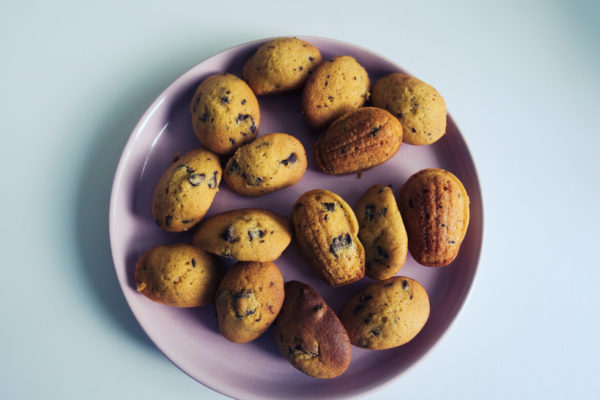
<point>232,140</point>
<point>271,284</point>
<point>311,59</point>
<point>329,206</point>
<point>399,115</point>
<point>388,284</point>
<point>330,98</point>
<point>244,294</point>
<point>196,102</point>
<point>326,216</point>
<point>381,254</point>
<point>318,307</point>
<point>193,263</point>
<point>339,244</point>
<point>404,284</point>
<point>241,117</point>
<point>292,159</point>
<point>374,130</point>
<point>375,332</point>
<point>225,99</point>
<point>252,180</point>
<point>256,233</point>
<point>413,130</point>
<point>212,183</point>
<point>234,167</point>
<point>228,234</point>
<point>365,297</point>
<point>243,101</point>
<point>205,116</point>
<point>300,68</point>
<point>369,212</point>
<point>226,253</point>
<point>195,179</point>
<point>299,350</point>
<point>168,220</point>
<point>451,242</point>
<point>227,92</point>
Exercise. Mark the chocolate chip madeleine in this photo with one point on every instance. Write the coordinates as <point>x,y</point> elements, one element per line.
<point>326,230</point>
<point>381,232</point>
<point>386,314</point>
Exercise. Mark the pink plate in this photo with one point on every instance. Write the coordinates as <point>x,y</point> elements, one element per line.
<point>189,337</point>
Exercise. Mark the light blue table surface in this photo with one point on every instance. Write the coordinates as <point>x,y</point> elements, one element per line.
<point>521,78</point>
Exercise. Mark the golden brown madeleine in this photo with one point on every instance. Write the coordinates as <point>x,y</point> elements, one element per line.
<point>337,86</point>
<point>310,335</point>
<point>435,208</point>
<point>225,113</point>
<point>249,234</point>
<point>418,106</point>
<point>386,314</point>
<point>248,300</point>
<point>271,162</point>
<point>179,275</point>
<point>280,65</point>
<point>358,140</point>
<point>326,232</point>
<point>186,190</point>
<point>382,232</point>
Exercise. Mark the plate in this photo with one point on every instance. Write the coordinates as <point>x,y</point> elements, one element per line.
<point>190,337</point>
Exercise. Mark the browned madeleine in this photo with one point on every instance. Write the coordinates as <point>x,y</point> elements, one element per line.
<point>325,230</point>
<point>435,208</point>
<point>358,140</point>
<point>310,335</point>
